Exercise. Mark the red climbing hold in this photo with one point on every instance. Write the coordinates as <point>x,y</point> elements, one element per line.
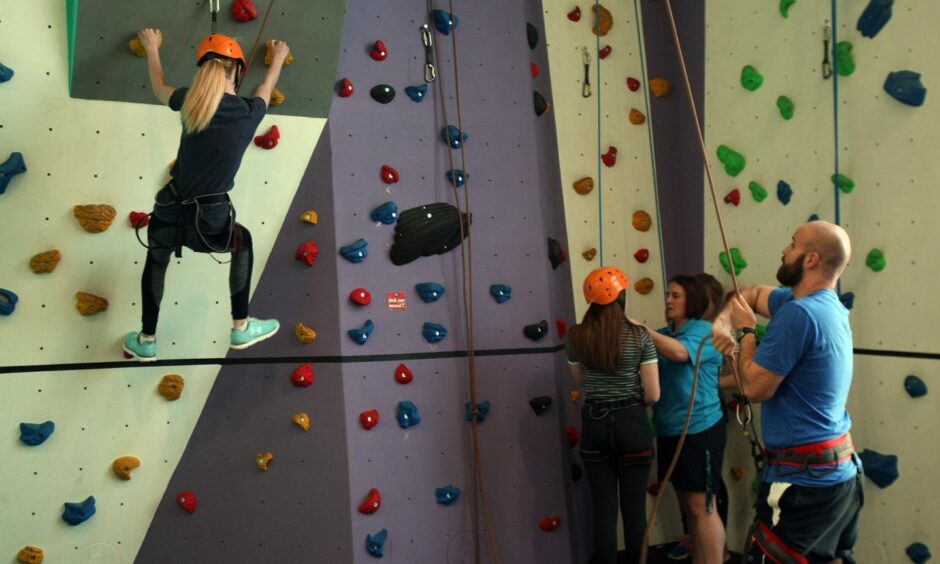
<point>733,197</point>
<point>369,419</point>
<point>389,175</point>
<point>534,69</point>
<point>561,326</point>
<point>360,296</point>
<point>550,523</point>
<point>244,10</point>
<point>344,89</point>
<point>575,15</point>
<point>642,255</point>
<point>610,157</point>
<point>604,52</point>
<point>653,489</point>
<point>573,436</point>
<point>378,52</point>
<point>371,503</point>
<point>633,84</point>
<point>302,375</point>
<point>269,139</point>
<point>139,219</point>
<point>307,252</point>
<point>403,374</point>
<point>187,500</point>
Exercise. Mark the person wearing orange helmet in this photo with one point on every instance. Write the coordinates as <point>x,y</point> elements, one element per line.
<point>614,362</point>
<point>193,209</point>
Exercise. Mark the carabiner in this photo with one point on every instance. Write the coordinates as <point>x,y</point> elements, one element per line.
<point>430,73</point>
<point>586,86</point>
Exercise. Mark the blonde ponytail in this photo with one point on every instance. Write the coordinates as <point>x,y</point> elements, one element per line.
<point>203,97</point>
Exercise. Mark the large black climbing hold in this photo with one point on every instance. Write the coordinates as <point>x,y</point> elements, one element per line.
<point>540,104</point>
<point>905,87</point>
<point>556,255</point>
<point>882,469</point>
<point>382,93</point>
<point>918,553</point>
<point>536,331</point>
<point>427,230</point>
<point>444,21</point>
<point>915,386</point>
<point>575,472</point>
<point>875,16</point>
<point>540,404</point>
<point>532,35</point>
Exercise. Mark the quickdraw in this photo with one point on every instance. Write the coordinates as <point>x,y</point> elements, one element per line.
<point>827,39</point>
<point>586,86</point>
<point>427,39</point>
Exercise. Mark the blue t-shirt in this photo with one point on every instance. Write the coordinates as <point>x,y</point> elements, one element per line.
<point>809,343</point>
<point>675,383</point>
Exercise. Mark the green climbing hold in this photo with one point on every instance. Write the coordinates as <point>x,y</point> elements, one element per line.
<point>845,65</point>
<point>750,78</point>
<point>759,331</point>
<point>785,7</point>
<point>757,191</point>
<point>876,260</point>
<point>736,259</point>
<point>785,105</point>
<point>844,183</point>
<point>733,160</point>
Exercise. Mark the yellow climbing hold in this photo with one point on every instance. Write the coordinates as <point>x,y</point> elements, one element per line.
<point>584,186</point>
<point>138,49</point>
<point>309,216</point>
<point>89,304</point>
<point>304,334</point>
<point>262,459</point>
<point>123,466</point>
<point>277,97</point>
<point>302,420</point>
<point>269,56</point>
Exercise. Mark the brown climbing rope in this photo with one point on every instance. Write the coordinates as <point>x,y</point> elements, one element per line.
<point>254,48</point>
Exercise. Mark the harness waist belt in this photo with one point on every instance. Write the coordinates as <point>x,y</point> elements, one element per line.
<point>824,453</point>
<point>612,404</point>
<point>201,200</point>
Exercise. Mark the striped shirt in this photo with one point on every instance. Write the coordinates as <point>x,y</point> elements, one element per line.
<point>624,384</point>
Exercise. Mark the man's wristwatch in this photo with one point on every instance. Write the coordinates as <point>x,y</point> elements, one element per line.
<point>744,331</point>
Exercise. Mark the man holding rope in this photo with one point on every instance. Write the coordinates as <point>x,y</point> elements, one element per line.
<point>811,494</point>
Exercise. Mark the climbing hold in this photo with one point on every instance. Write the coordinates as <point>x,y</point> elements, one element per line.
<point>882,469</point>
<point>6,73</point>
<point>500,292</point>
<point>187,500</point>
<point>584,185</point>
<point>378,51</point>
<point>540,104</point>
<point>307,252</point>
<point>785,7</point>
<point>575,395</point>
<point>561,327</point>
<point>268,140</point>
<point>344,88</point>
<point>302,420</point>
<point>45,262</point>
<point>642,221</point>
<point>876,260</point>
<point>11,167</point>
<point>904,86</point>
<point>277,97</point>
<point>918,552</point>
<point>603,20</point>
<point>736,259</point>
<point>844,183</point>
<point>386,213</point>
<point>556,255</point>
<point>388,174</point>
<point>403,374</point>
<point>375,544</point>
<point>575,15</point>
<point>540,404</point>
<point>138,219</point>
<point>847,299</point>
<point>34,434</point>
<point>302,376</point>
<point>262,460</point>
<point>361,335</point>
<point>244,11</point>
<point>360,296</point>
<point>382,93</point>
<point>94,218</point>
<point>874,17</point>
<point>429,291</point>
<point>845,64</point>
<point>589,254</point>
<point>610,157</point>
<point>785,105</point>
<point>77,513</point>
<point>576,472</point>
<point>457,177</point>
<point>784,192</point>
<point>733,197</point>
<point>269,54</point>
<point>636,117</point>
<point>642,255</point>
<point>444,21</point>
<point>416,93</point>
<point>310,216</point>
<point>653,489</point>
<point>483,409</point>
<point>407,415</point>
<point>30,554</point>
<point>369,419</point>
<point>171,387</point>
<point>89,304</point>
<point>356,251</point>
<point>660,87</point>
<point>734,161</point>
<point>915,386</point>
<point>604,52</point>
<point>550,523</point>
<point>536,331</point>
<point>760,329</point>
<point>758,192</point>
<point>644,285</point>
<point>123,466</point>
<point>750,78</point>
<point>427,230</point>
<point>531,35</point>
<point>433,332</point>
<point>304,334</point>
<point>573,436</point>
<point>447,495</point>
<point>633,84</point>
<point>737,471</point>
<point>813,217</point>
<point>137,47</point>
<point>371,503</point>
<point>534,69</point>
<point>453,136</point>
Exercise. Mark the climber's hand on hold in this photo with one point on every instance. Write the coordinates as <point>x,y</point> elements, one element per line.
<point>279,51</point>
<point>150,38</point>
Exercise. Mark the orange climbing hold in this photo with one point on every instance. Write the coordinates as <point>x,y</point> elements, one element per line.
<point>644,285</point>
<point>584,186</point>
<point>262,459</point>
<point>89,304</point>
<point>305,334</point>
<point>642,221</point>
<point>589,254</point>
<point>660,86</point>
<point>138,49</point>
<point>310,216</point>
<point>604,20</point>
<point>269,54</point>
<point>45,262</point>
<point>171,387</point>
<point>277,97</point>
<point>30,555</point>
<point>302,420</point>
<point>637,117</point>
<point>575,395</point>
<point>123,466</point>
<point>95,218</point>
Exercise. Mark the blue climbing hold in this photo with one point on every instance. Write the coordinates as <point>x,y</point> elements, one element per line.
<point>362,335</point>
<point>444,21</point>
<point>536,331</point>
<point>7,301</point>
<point>407,414</point>
<point>6,73</point>
<point>918,552</point>
<point>457,177</point>
<point>915,386</point>
<point>355,252</point>
<point>447,495</point>
<point>483,409</point>
<point>429,291</point>
<point>905,87</point>
<point>814,217</point>
<point>386,213</point>
<point>416,93</point>
<point>375,544</point>
<point>77,513</point>
<point>10,168</point>
<point>882,469</point>
<point>847,299</point>
<point>784,192</point>
<point>875,16</point>
<point>500,292</point>
<point>453,136</point>
<point>36,433</point>
<point>433,332</point>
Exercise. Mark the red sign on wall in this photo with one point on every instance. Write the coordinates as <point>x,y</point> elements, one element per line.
<point>396,301</point>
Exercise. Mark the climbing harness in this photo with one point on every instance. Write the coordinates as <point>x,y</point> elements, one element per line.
<point>827,38</point>
<point>586,60</point>
<point>817,459</point>
<point>427,39</point>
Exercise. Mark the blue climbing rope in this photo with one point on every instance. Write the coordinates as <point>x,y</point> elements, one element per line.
<point>597,154</point>
<point>835,125</point>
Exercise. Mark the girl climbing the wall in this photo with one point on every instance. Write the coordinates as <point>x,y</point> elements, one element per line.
<point>193,209</point>
<point>614,361</point>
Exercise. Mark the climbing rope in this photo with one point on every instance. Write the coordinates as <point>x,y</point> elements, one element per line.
<point>254,47</point>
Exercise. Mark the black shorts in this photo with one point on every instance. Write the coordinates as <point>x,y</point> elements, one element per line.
<point>699,465</point>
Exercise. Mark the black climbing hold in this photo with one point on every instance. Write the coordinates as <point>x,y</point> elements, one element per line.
<point>918,552</point>
<point>556,255</point>
<point>539,103</point>
<point>382,93</point>
<point>915,386</point>
<point>427,230</point>
<point>540,404</point>
<point>536,331</point>
<point>532,35</point>
<point>847,299</point>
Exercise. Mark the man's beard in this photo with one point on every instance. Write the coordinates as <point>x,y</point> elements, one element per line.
<point>791,274</point>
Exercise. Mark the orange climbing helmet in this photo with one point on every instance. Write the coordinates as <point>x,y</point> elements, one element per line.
<point>219,45</point>
<point>603,285</point>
